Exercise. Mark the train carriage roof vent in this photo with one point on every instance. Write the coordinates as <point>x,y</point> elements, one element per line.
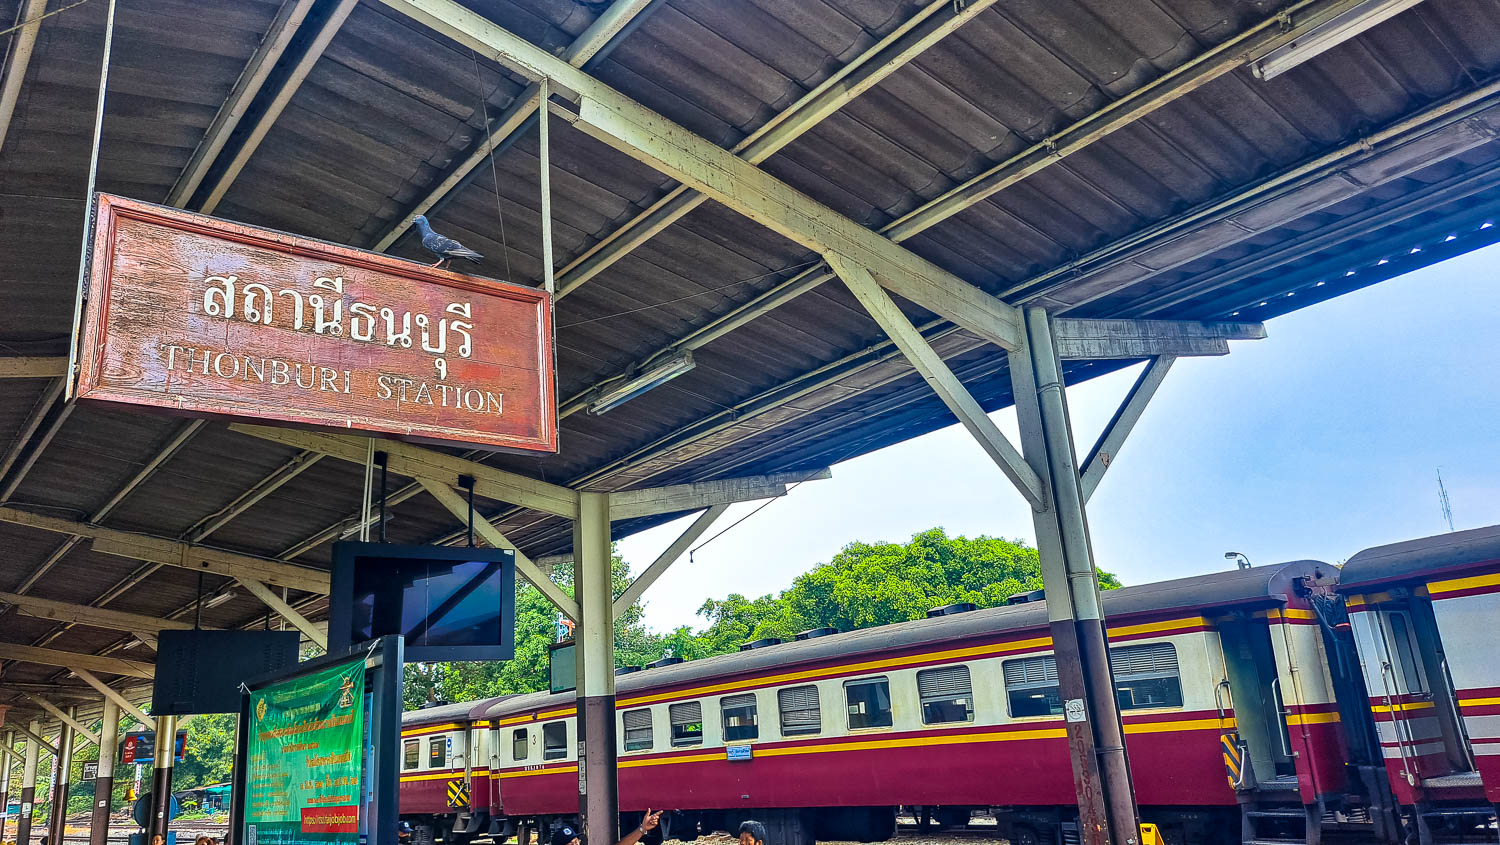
<point>950,609</point>
<point>626,670</point>
<point>814,633</point>
<point>1027,597</point>
<point>665,661</point>
<point>760,643</point>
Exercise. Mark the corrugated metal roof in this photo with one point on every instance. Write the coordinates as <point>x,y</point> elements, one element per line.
<point>1217,204</point>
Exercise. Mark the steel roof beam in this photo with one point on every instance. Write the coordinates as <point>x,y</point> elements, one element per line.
<point>113,695</point>
<point>518,115</point>
<point>459,507</point>
<point>279,35</point>
<point>21,48</point>
<point>276,106</point>
<point>285,611</point>
<point>417,462</point>
<point>39,414</point>
<point>1469,107</point>
<point>75,661</point>
<point>1107,447</point>
<point>924,29</point>
<point>32,367</point>
<point>299,464</point>
<point>1099,340</point>
<point>609,116</point>
<point>942,380</point>
<point>676,498</point>
<point>94,617</point>
<point>172,553</point>
<point>664,560</point>
<point>71,722</point>
<point>34,737</point>
<point>1120,113</point>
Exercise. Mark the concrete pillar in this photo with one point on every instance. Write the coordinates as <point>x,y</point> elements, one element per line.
<point>598,789</point>
<point>62,764</point>
<point>7,759</point>
<point>161,777</point>
<point>1096,739</point>
<point>104,784</point>
<point>28,786</point>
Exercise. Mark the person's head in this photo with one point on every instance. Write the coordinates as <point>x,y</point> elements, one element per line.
<point>203,840</point>
<point>752,833</point>
<point>403,831</point>
<point>564,835</point>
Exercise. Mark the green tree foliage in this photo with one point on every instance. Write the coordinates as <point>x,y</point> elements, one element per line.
<point>864,585</point>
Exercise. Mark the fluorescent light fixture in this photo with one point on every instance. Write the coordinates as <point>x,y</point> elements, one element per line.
<point>1327,35</point>
<point>218,600</point>
<point>628,390</point>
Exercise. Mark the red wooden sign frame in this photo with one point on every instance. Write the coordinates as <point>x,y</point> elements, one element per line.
<point>205,317</point>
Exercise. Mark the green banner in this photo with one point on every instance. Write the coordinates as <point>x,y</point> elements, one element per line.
<point>306,757</point>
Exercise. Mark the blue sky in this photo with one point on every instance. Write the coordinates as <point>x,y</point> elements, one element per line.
<point>1322,440</point>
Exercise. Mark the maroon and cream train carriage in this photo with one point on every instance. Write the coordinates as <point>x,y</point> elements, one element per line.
<point>828,735</point>
<point>446,787</point>
<point>1425,615</point>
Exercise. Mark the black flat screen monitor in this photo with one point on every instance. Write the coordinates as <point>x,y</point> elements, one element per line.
<point>449,603</point>
<point>201,671</point>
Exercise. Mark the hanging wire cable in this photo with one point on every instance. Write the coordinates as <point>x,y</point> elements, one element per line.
<point>767,503</point>
<point>489,140</point>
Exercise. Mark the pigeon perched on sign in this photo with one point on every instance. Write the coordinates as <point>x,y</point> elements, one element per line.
<point>445,248</point>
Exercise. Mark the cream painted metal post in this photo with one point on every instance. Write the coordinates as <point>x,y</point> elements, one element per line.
<point>161,777</point>
<point>598,789</point>
<point>6,762</point>
<point>28,785</point>
<point>1106,798</point>
<point>62,764</point>
<point>104,782</point>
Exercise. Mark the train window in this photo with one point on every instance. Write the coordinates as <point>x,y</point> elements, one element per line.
<point>799,710</point>
<point>638,729</point>
<point>869,703</point>
<point>739,717</point>
<point>1146,676</point>
<point>411,754</point>
<point>1031,687</point>
<point>554,740</point>
<point>947,695</point>
<point>687,723</point>
<point>520,744</point>
<point>437,752</point>
<point>1406,653</point>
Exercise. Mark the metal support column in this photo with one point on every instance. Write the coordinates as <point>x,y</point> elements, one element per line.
<point>28,786</point>
<point>1101,772</point>
<point>104,784</point>
<point>57,819</point>
<point>161,777</point>
<point>598,789</point>
<point>6,762</point>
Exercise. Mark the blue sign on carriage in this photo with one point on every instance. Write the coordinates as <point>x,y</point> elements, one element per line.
<point>737,752</point>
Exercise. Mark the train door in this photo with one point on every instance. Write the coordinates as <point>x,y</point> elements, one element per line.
<point>1410,697</point>
<point>1255,690</point>
<point>1444,695</point>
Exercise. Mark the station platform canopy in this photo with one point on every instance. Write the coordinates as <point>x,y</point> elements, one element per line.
<point>1104,159</point>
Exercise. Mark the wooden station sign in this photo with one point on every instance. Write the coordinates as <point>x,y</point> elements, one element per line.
<point>205,317</point>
